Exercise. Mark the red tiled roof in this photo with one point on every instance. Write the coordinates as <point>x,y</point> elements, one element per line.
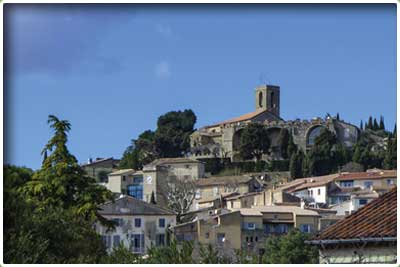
<point>377,219</point>
<point>244,117</point>
<point>367,175</point>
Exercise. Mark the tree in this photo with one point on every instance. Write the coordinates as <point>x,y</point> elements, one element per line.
<point>171,254</point>
<point>292,148</point>
<point>61,182</point>
<point>375,125</point>
<point>390,160</point>
<point>283,138</point>
<point>254,141</point>
<point>296,165</point>
<point>381,124</point>
<point>337,116</point>
<point>395,130</point>
<point>179,194</point>
<point>361,125</point>
<point>153,198</point>
<point>290,249</point>
<point>370,124</point>
<point>172,137</point>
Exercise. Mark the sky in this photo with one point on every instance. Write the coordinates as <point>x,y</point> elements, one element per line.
<point>112,70</point>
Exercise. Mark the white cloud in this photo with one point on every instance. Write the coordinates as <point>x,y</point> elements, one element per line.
<point>163,70</point>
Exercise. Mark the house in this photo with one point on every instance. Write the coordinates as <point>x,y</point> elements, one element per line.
<point>313,190</point>
<point>357,200</point>
<point>180,167</point>
<point>373,178</point>
<point>247,228</point>
<point>213,187</point>
<point>127,182</point>
<point>139,225</point>
<point>100,167</point>
<point>369,235</point>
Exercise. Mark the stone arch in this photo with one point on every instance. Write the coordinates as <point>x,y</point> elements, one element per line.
<point>236,139</point>
<point>312,133</point>
<point>260,99</point>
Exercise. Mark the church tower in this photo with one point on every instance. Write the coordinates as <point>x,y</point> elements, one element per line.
<point>268,98</point>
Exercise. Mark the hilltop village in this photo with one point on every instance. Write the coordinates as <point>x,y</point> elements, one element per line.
<point>247,179</point>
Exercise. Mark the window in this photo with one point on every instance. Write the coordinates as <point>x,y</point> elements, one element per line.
<point>135,191</point>
<point>319,192</point>
<point>311,193</point>
<point>250,226</point>
<point>389,182</point>
<point>138,222</point>
<point>305,228</point>
<point>247,239</point>
<point>118,221</point>
<point>251,239</point>
<point>346,183</point>
<point>137,243</point>
<point>256,238</point>
<point>123,178</point>
<point>220,238</point>
<point>198,194</point>
<point>160,240</point>
<point>260,99</point>
<point>116,240</point>
<point>368,184</point>
<point>161,222</point>
<point>362,201</point>
<point>187,166</point>
<point>207,235</point>
<point>107,241</point>
<point>138,180</point>
<point>215,191</point>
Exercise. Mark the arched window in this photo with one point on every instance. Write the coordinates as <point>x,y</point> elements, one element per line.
<point>313,133</point>
<point>260,97</point>
<point>272,100</point>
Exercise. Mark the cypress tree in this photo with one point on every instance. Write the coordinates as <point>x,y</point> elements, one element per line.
<point>395,130</point>
<point>291,148</point>
<point>376,125</point>
<point>337,116</point>
<point>153,198</point>
<point>381,123</point>
<point>369,124</point>
<point>361,125</point>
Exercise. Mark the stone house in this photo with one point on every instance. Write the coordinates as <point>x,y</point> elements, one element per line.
<point>139,225</point>
<point>211,188</point>
<point>367,236</point>
<point>371,179</point>
<point>246,229</point>
<point>100,167</point>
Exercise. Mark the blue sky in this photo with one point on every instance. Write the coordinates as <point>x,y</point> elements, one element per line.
<point>113,70</point>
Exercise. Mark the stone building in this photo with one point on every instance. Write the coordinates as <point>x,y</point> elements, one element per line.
<point>223,139</point>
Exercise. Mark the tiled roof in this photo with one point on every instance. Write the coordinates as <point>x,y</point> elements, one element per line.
<point>163,161</point>
<point>378,174</point>
<point>309,182</point>
<point>100,161</point>
<point>244,117</point>
<point>223,180</point>
<point>259,210</point>
<point>128,205</point>
<point>375,220</point>
<point>122,172</point>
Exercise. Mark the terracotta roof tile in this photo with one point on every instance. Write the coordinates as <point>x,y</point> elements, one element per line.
<point>367,175</point>
<point>376,219</point>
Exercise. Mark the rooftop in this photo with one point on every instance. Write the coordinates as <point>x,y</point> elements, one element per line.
<point>122,172</point>
<point>223,180</point>
<point>377,219</point>
<point>163,161</point>
<point>259,210</point>
<point>128,205</point>
<point>371,174</point>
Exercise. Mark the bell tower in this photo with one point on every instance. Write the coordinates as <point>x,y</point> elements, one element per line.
<point>268,98</point>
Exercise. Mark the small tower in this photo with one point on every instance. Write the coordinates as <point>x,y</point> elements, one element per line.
<point>268,98</point>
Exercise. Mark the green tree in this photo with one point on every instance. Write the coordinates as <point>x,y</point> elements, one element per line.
<point>375,125</point>
<point>283,138</point>
<point>369,124</point>
<point>172,137</point>
<point>171,254</point>
<point>390,160</point>
<point>361,125</point>
<point>292,148</point>
<point>381,123</point>
<point>296,165</point>
<point>153,198</point>
<point>254,141</point>
<point>61,182</point>
<point>290,249</point>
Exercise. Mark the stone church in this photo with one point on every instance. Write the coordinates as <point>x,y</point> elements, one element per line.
<point>223,139</point>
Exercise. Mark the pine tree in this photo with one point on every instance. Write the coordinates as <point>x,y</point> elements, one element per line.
<point>337,116</point>
<point>361,125</point>
<point>153,198</point>
<point>381,124</point>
